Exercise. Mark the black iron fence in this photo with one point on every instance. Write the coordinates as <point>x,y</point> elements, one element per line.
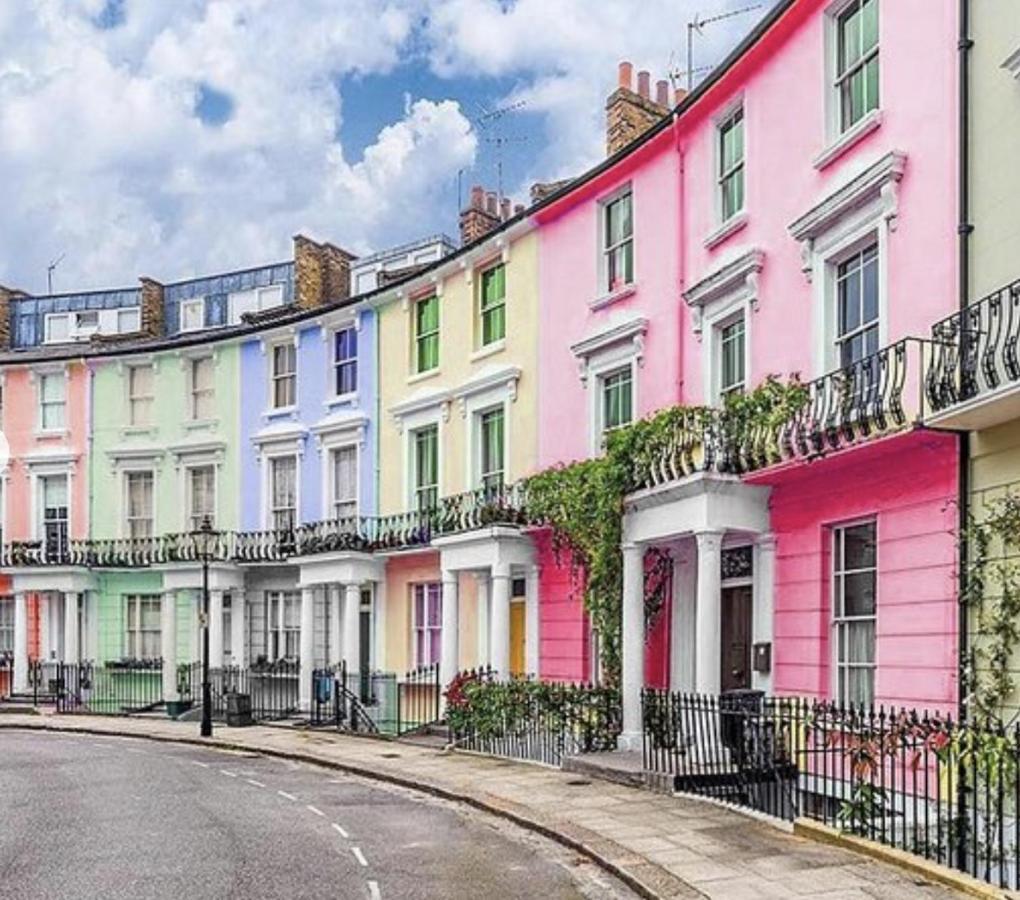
<point>523,718</point>
<point>976,349</point>
<point>272,689</point>
<point>115,688</point>
<point>925,784</point>
<point>375,702</point>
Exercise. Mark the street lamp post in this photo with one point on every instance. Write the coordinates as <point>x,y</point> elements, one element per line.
<point>205,538</point>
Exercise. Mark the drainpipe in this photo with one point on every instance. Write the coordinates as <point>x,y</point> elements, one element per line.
<point>681,254</point>
<point>964,230</point>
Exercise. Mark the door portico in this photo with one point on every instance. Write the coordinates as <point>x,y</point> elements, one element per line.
<point>699,518</point>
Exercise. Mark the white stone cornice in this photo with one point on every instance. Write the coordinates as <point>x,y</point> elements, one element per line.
<point>879,183</point>
<point>736,280</point>
<point>631,330</point>
<point>353,423</point>
<point>1012,63</point>
<point>135,454</point>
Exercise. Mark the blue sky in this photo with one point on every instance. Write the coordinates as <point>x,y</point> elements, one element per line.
<point>175,138</point>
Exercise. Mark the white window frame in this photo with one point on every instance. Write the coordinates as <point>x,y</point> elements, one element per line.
<point>477,480</point>
<point>479,280</point>
<point>602,375</point>
<point>836,620</point>
<point>837,262</point>
<point>253,300</point>
<point>279,628</point>
<point>132,399</point>
<point>126,476</point>
<point>41,378</point>
<point>274,377</point>
<point>725,117</point>
<point>189,490</point>
<point>410,423</point>
<point>334,364</point>
<point>137,600</point>
<point>413,463</point>
<point>6,625</point>
<point>605,289</point>
<point>191,305</point>
<point>194,392</point>
<point>423,627</point>
<point>718,337</point>
<point>47,328</point>
<point>331,452</point>
<point>122,313</point>
<point>270,510</point>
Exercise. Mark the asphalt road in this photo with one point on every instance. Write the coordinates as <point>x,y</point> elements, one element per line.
<point>82,816</point>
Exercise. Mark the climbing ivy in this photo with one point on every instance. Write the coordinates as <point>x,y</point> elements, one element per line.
<point>582,503</point>
<point>991,594</point>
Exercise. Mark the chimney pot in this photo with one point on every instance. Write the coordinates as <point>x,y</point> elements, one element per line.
<point>504,209</point>
<point>680,95</point>
<point>518,209</point>
<point>626,75</point>
<point>490,203</point>
<point>662,93</point>
<point>644,84</point>
<point>477,197</point>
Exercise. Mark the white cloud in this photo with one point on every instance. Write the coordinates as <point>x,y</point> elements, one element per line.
<point>102,156</point>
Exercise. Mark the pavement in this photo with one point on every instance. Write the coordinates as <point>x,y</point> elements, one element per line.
<point>659,846</point>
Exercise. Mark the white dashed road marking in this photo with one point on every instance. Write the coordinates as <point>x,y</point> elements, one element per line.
<point>286,795</point>
<point>202,764</point>
<point>359,856</point>
<point>340,830</point>
<point>314,809</point>
<point>228,774</point>
<point>254,783</point>
<point>373,890</point>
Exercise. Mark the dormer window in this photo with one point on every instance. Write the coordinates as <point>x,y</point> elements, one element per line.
<point>86,323</point>
<point>257,300</point>
<point>193,314</point>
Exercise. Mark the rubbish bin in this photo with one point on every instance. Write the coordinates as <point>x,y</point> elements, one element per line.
<point>238,709</point>
<point>736,710</point>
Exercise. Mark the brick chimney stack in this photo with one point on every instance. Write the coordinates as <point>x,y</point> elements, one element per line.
<point>630,113</point>
<point>6,296</point>
<point>322,272</point>
<point>484,212</point>
<point>152,307</point>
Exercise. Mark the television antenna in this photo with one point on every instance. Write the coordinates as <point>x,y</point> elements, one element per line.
<point>50,270</point>
<point>697,24</point>
<point>490,124</point>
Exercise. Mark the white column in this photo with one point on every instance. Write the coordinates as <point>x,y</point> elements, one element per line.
<point>352,627</point>
<point>168,639</point>
<point>216,629</point>
<point>499,621</point>
<point>763,610</point>
<point>307,648</point>
<point>335,599</point>
<point>238,620</point>
<point>681,647</point>
<point>633,644</point>
<point>20,642</point>
<point>379,609</point>
<point>72,652</point>
<point>708,613</point>
<point>449,663</point>
<point>532,623</point>
<point>484,605</point>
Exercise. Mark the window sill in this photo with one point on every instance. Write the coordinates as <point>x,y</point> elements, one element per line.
<point>43,434</point>
<point>490,350</point>
<point>201,424</point>
<point>613,297</point>
<point>848,139</point>
<point>135,430</point>
<point>349,399</point>
<point>424,376</point>
<point>731,226</point>
<point>280,412</point>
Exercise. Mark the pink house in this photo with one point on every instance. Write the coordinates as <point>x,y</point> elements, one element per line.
<point>789,217</point>
<point>45,503</point>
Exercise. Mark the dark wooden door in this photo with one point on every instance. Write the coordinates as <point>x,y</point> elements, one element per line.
<point>736,638</point>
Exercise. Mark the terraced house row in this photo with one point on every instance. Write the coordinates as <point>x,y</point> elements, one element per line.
<point>828,203</point>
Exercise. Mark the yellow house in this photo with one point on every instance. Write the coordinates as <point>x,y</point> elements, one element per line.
<point>457,419</point>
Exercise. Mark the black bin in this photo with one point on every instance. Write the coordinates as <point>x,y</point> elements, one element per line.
<point>239,709</point>
<point>735,709</point>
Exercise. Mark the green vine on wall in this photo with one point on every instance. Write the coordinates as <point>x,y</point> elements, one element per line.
<point>582,503</point>
<point>991,594</point>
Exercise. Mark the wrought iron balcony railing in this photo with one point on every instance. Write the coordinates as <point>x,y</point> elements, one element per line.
<point>878,395</point>
<point>495,505</point>
<point>975,350</point>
